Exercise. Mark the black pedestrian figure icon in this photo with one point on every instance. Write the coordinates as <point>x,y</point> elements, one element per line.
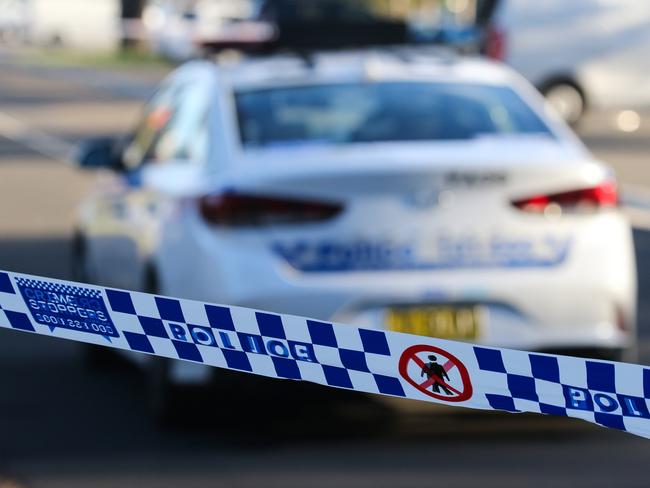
<point>436,373</point>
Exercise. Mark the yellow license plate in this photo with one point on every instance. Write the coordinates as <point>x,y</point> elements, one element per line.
<point>459,323</point>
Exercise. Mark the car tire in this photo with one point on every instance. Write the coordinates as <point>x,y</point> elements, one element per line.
<point>567,100</point>
<point>163,396</point>
<point>163,399</point>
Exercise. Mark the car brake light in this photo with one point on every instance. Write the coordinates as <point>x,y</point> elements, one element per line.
<point>603,195</point>
<point>495,43</point>
<point>233,209</point>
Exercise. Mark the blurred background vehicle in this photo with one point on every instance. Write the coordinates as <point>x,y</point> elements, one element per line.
<point>75,24</point>
<point>324,24</point>
<point>579,54</point>
<point>178,31</point>
<point>348,188</point>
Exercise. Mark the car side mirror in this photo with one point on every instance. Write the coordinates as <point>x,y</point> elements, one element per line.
<point>98,153</point>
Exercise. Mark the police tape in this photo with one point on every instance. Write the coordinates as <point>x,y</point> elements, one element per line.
<point>611,394</point>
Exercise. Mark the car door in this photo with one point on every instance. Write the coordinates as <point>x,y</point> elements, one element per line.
<point>171,133</point>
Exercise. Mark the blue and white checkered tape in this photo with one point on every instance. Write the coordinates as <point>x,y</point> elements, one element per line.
<point>283,346</point>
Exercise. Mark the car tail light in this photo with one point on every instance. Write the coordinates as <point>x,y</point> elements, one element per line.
<point>603,195</point>
<point>233,209</point>
<point>495,43</point>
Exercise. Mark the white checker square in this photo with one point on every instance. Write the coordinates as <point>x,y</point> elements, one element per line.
<point>516,362</point>
<point>212,355</point>
<point>362,381</point>
<point>493,382</point>
<point>628,379</point>
<point>573,371</point>
<point>380,364</point>
<point>163,347</point>
<point>194,313</point>
<point>244,320</point>
<point>348,337</point>
<point>145,305</point>
<point>526,405</point>
<point>14,302</point>
<point>126,322</point>
<point>296,329</point>
<point>637,425</point>
<point>581,414</point>
<point>328,355</point>
<point>312,372</point>
<point>261,364</point>
<point>550,393</point>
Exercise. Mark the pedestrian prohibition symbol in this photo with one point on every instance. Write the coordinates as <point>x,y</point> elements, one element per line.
<point>433,367</point>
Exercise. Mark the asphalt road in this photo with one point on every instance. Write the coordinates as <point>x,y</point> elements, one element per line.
<point>63,425</point>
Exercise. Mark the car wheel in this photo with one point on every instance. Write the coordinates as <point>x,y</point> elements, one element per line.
<point>567,100</point>
<point>163,398</point>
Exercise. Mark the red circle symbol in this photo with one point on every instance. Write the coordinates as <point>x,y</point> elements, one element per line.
<point>436,382</point>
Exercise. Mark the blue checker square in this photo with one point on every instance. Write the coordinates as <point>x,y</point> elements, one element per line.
<point>355,360</point>
<point>286,368</point>
<point>270,325</point>
<point>321,334</point>
<point>552,409</point>
<point>489,359</point>
<point>5,284</point>
<point>374,341</point>
<point>336,376</point>
<point>19,320</point>
<point>522,387</point>
<point>170,309</point>
<point>120,301</point>
<point>152,327</point>
<point>187,350</point>
<point>219,317</point>
<point>610,420</point>
<point>601,377</point>
<point>545,368</point>
<point>237,360</point>
<point>501,402</point>
<point>389,385</point>
<point>138,342</point>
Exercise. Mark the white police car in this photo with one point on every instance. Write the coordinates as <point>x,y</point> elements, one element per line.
<point>390,189</point>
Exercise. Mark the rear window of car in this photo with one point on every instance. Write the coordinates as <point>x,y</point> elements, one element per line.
<point>381,112</point>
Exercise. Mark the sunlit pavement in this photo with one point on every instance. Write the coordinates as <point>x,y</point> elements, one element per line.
<point>62,425</point>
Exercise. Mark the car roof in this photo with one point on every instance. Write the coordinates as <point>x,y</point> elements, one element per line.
<point>396,64</point>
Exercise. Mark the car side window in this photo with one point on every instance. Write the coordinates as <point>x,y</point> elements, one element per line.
<point>174,128</point>
<point>155,116</point>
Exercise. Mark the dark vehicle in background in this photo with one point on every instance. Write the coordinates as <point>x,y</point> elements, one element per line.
<point>309,25</point>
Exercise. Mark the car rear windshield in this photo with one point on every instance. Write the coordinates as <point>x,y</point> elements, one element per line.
<point>381,112</point>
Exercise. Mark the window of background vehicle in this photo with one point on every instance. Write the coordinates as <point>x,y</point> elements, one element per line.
<point>382,112</point>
